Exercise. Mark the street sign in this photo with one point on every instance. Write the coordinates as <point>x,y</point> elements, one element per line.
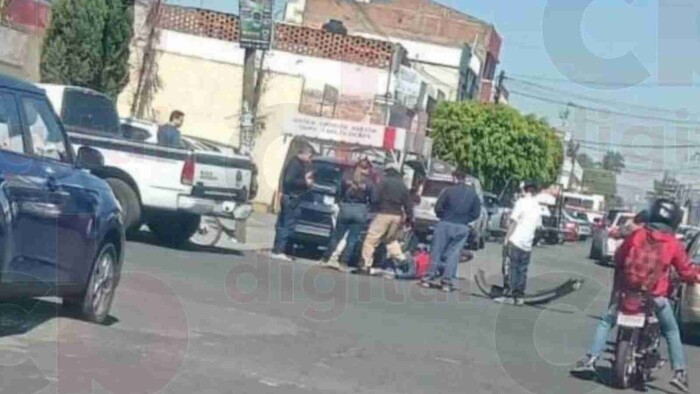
<point>255,23</point>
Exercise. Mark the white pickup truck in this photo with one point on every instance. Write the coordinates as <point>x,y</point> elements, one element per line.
<point>169,189</point>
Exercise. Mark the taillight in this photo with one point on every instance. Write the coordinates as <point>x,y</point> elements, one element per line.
<point>187,176</point>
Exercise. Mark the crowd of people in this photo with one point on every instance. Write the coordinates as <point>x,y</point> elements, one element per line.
<point>373,232</point>
<point>376,214</point>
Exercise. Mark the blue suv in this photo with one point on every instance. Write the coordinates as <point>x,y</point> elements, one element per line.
<point>61,230</point>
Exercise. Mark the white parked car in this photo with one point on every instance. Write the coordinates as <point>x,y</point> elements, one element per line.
<point>424,211</point>
<point>167,188</point>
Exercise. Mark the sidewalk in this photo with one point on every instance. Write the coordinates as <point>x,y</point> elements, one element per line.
<point>260,234</point>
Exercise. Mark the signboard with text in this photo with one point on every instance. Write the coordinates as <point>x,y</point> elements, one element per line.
<point>356,133</point>
<point>335,130</point>
<point>255,23</point>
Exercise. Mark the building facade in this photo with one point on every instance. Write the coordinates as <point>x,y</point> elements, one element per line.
<point>307,71</point>
<point>457,52</point>
<point>22,27</point>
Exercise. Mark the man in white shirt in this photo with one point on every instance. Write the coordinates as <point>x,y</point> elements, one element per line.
<point>524,221</point>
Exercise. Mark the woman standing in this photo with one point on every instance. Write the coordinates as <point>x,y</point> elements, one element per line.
<point>353,216</point>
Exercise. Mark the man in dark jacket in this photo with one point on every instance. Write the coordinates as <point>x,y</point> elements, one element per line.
<point>297,179</point>
<point>392,204</point>
<point>456,207</point>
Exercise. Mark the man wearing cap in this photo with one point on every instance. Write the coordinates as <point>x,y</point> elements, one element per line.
<point>524,221</point>
<point>392,204</point>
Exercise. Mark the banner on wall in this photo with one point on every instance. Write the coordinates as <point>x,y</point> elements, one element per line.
<point>346,132</point>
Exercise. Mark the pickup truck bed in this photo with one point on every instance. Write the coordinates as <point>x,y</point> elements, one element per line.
<point>167,188</point>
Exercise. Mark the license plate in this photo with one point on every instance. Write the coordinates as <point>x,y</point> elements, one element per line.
<point>634,321</point>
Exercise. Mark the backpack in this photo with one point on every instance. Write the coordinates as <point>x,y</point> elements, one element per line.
<point>642,268</point>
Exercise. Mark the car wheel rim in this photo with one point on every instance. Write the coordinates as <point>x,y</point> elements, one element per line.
<point>103,285</point>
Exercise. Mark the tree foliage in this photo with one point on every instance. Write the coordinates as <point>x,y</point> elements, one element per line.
<point>600,181</point>
<point>87,44</point>
<point>614,161</point>
<point>585,161</point>
<point>496,143</point>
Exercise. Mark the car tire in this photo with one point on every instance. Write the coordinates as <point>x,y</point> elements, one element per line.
<point>95,302</point>
<point>129,201</point>
<point>174,229</point>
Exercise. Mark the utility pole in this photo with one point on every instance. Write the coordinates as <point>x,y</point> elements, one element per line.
<point>248,101</point>
<point>499,86</point>
<point>573,151</point>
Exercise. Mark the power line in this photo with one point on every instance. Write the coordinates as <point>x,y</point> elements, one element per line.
<point>643,146</point>
<point>620,84</point>
<point>605,111</point>
<point>595,100</point>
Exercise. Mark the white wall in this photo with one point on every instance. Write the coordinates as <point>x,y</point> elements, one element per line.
<point>439,54</point>
<point>350,79</point>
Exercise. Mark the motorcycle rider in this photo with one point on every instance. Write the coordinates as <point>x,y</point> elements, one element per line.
<point>664,217</point>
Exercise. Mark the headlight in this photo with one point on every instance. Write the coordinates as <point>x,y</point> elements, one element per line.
<point>328,200</point>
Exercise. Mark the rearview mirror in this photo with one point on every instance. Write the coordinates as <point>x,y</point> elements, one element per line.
<point>90,158</point>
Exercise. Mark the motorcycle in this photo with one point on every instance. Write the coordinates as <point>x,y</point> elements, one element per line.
<point>637,353</point>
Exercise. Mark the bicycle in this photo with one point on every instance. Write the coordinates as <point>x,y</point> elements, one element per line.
<point>211,229</point>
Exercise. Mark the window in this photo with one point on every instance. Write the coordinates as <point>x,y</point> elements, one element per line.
<point>89,112</point>
<point>135,133</point>
<point>44,130</point>
<point>10,134</point>
<point>433,188</point>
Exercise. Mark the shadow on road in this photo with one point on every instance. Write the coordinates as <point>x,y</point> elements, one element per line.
<point>146,237</point>
<point>18,317</point>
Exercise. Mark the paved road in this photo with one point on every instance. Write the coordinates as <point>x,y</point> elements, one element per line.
<point>221,322</point>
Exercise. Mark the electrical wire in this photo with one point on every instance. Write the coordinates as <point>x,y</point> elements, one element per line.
<point>620,84</point>
<point>639,146</point>
<point>595,100</point>
<point>604,111</point>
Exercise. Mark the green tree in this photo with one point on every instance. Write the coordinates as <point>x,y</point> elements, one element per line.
<point>586,161</point>
<point>496,143</point>
<point>614,161</point>
<point>87,44</point>
<point>600,181</point>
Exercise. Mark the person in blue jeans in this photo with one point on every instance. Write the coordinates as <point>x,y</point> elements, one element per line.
<point>457,207</point>
<point>353,217</point>
<point>524,221</point>
<point>297,179</point>
<point>664,218</point>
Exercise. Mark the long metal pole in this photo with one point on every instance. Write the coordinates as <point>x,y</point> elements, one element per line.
<point>246,121</point>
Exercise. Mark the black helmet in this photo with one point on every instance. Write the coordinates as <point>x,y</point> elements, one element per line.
<point>667,212</point>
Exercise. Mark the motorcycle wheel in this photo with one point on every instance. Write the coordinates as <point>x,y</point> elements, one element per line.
<point>625,367</point>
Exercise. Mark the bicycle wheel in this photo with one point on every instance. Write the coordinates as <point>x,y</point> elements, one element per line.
<point>208,233</point>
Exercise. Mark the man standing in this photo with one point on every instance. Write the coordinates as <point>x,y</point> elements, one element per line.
<point>392,203</point>
<point>169,133</point>
<point>456,207</point>
<point>297,179</point>
<point>524,221</point>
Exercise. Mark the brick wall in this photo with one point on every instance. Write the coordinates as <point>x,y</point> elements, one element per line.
<point>420,20</point>
<point>295,39</point>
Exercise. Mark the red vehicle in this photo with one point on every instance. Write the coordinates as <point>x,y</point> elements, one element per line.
<point>571,231</point>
